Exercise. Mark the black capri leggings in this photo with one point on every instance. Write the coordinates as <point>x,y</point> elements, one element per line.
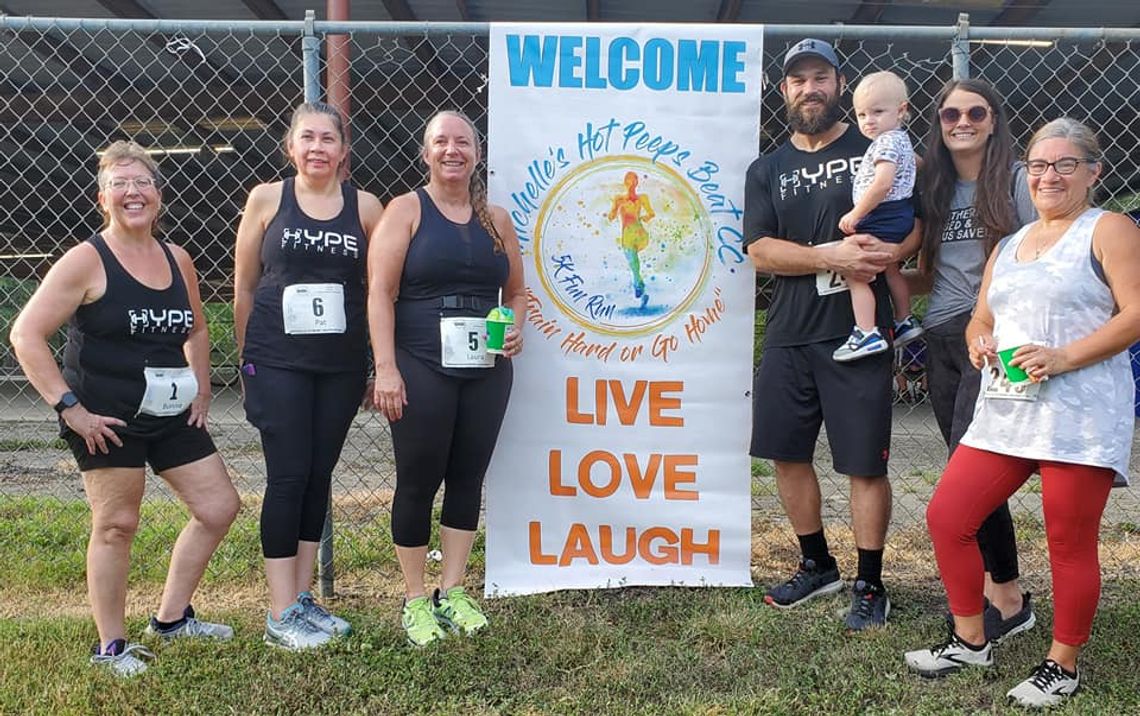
<point>447,435</point>
<point>303,418</point>
<point>953,385</point>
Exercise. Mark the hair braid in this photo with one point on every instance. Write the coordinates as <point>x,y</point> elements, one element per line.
<point>479,204</point>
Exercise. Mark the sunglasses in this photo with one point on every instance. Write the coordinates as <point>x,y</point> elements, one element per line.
<point>951,115</point>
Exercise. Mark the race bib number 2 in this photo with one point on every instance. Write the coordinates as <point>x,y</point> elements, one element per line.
<point>828,282</point>
<point>999,387</point>
<point>463,342</point>
<point>313,308</point>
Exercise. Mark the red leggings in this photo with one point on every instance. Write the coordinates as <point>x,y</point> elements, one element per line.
<point>975,483</point>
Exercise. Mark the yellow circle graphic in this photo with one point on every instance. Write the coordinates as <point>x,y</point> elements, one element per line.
<point>623,245</point>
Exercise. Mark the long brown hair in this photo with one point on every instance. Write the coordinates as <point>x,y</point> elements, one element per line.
<point>477,188</point>
<point>993,206</point>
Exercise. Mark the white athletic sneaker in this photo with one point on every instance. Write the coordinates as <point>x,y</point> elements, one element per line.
<point>859,345</point>
<point>127,661</point>
<point>322,618</point>
<point>190,628</point>
<point>1048,685</point>
<point>293,631</point>
<point>947,658</point>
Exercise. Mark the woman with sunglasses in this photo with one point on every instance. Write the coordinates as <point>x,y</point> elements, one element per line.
<point>1064,292</point>
<point>134,390</point>
<point>973,194</point>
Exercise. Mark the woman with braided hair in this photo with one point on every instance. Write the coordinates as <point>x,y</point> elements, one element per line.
<point>437,261</point>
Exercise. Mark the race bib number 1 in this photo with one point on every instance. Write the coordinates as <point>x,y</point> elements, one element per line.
<point>169,391</point>
<point>313,308</point>
<point>829,282</point>
<point>464,343</point>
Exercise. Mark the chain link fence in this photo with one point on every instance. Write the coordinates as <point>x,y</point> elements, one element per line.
<point>213,100</point>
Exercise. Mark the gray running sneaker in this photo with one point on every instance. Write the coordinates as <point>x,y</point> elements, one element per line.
<point>293,631</point>
<point>190,628</point>
<point>808,581</point>
<point>125,660</point>
<point>322,618</point>
<point>948,657</point>
<point>870,607</point>
<point>1048,685</point>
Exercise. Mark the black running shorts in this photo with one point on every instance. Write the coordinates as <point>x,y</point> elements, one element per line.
<point>174,445</point>
<point>798,388</point>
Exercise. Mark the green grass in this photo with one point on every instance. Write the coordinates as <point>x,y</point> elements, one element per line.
<point>635,651</point>
<point>625,651</point>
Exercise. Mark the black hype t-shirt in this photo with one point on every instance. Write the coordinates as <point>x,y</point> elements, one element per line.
<point>800,196</point>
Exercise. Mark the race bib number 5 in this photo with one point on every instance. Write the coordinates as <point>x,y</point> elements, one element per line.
<point>828,282</point>
<point>313,308</point>
<point>464,343</point>
<point>169,391</point>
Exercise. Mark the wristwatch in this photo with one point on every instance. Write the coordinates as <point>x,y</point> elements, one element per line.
<point>67,400</point>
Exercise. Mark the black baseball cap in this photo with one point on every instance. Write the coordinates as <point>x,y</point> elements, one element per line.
<point>809,47</point>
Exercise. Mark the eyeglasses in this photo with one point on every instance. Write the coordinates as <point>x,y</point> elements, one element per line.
<point>1063,166</point>
<point>951,115</point>
<point>121,183</point>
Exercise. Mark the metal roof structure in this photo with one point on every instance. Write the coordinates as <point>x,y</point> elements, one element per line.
<point>1005,13</point>
<point>213,102</point>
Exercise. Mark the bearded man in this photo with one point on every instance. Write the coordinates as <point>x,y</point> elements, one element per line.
<point>794,199</point>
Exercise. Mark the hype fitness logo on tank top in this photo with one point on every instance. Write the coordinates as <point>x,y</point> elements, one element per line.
<point>300,239</point>
<point>166,320</point>
<point>804,180</point>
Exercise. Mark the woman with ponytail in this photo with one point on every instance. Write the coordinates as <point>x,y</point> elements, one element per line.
<point>438,262</point>
<point>299,296</point>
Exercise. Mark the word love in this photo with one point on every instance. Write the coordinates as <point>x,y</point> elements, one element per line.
<point>640,473</point>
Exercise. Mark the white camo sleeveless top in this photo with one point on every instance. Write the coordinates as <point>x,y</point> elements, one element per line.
<point>1084,416</point>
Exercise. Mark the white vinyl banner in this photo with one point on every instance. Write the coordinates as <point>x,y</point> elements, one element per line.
<point>619,152</point>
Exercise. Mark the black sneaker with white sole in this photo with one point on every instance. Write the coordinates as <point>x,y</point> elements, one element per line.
<point>1048,685</point>
<point>998,629</point>
<point>808,581</point>
<point>948,657</point>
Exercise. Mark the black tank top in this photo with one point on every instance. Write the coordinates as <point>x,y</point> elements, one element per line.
<point>450,270</point>
<point>298,249</point>
<point>131,327</point>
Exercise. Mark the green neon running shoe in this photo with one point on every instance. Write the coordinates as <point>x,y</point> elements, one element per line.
<point>458,611</point>
<point>419,622</point>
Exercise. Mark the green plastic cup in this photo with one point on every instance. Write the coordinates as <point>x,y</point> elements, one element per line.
<point>498,321</point>
<point>1014,373</point>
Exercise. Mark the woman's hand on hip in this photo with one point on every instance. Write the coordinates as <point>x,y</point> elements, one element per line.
<point>95,430</point>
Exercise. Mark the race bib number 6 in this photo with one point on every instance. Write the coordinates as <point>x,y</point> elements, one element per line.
<point>828,282</point>
<point>313,308</point>
<point>463,342</point>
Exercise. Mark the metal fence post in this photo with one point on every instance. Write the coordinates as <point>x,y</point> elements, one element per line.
<point>960,48</point>
<point>311,64</point>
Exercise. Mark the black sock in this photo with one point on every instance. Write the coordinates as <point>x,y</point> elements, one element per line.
<point>871,567</point>
<point>814,547</point>
<point>167,626</point>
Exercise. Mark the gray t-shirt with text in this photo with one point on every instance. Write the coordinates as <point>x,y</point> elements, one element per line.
<point>962,255</point>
